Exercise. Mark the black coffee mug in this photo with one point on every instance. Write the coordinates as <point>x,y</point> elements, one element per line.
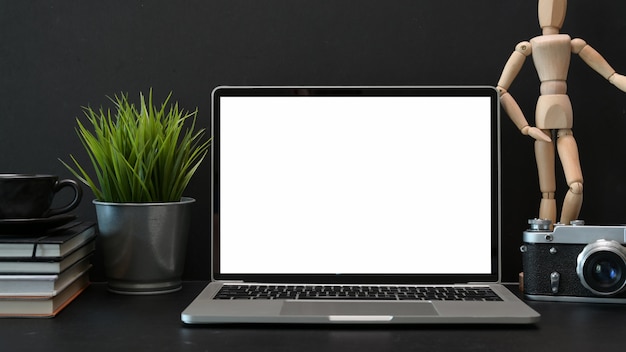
<point>27,196</point>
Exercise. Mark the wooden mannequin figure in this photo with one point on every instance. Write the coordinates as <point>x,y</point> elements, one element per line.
<point>551,54</point>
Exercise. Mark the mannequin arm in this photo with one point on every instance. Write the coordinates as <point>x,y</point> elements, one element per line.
<point>514,65</point>
<point>509,73</point>
<point>517,116</point>
<point>592,58</point>
<point>619,81</point>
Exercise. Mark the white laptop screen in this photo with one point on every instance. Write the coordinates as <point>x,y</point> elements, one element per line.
<point>353,182</point>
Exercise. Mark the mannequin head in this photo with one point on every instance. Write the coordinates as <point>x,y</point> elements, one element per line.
<point>551,15</point>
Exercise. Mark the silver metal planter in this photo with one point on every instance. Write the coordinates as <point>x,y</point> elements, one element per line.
<point>144,245</point>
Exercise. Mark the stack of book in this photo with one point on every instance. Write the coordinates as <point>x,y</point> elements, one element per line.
<point>41,272</point>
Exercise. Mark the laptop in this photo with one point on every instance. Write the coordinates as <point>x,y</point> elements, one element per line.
<point>356,205</point>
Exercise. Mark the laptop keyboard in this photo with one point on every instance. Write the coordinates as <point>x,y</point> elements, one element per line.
<point>424,293</point>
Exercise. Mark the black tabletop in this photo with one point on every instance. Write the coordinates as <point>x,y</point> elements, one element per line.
<point>103,321</point>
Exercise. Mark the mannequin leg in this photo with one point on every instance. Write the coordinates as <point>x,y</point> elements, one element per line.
<point>544,154</point>
<point>568,153</point>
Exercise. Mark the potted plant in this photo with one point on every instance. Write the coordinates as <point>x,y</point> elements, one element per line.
<point>143,158</point>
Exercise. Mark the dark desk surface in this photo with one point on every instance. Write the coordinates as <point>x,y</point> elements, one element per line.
<point>102,321</point>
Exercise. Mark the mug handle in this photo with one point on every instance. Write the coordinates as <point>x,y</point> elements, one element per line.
<point>78,194</point>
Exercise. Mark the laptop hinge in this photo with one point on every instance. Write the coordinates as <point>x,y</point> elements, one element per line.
<point>229,281</point>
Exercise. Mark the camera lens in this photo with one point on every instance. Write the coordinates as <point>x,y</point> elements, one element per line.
<point>604,271</point>
<point>602,267</point>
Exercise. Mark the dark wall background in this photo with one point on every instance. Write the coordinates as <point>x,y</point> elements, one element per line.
<point>56,56</point>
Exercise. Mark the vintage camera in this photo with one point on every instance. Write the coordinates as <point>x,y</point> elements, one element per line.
<point>575,263</point>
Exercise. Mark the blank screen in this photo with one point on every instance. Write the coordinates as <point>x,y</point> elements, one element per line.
<point>355,185</point>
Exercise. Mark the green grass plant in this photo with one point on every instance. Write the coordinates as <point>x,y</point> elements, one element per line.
<point>140,154</point>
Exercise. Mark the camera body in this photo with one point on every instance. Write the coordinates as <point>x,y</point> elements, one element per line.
<point>575,263</point>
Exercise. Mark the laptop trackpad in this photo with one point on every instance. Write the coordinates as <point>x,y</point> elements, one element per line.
<point>357,308</point>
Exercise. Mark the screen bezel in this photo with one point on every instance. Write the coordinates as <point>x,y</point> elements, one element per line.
<point>388,278</point>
